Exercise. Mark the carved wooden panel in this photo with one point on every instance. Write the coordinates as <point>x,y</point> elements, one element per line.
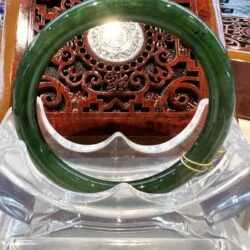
<point>236,22</point>
<point>237,33</point>
<point>46,10</point>
<point>19,32</point>
<point>31,15</point>
<point>164,77</point>
<point>155,93</point>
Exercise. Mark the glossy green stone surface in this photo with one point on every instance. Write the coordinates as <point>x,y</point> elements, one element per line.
<point>82,17</point>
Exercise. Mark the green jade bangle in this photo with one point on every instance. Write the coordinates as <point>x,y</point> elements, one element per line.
<point>167,15</point>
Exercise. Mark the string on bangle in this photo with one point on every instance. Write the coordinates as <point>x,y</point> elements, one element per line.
<point>200,166</point>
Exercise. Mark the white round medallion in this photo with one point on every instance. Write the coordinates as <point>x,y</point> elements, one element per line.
<point>117,41</point>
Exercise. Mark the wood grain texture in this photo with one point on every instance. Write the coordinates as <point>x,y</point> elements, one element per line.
<point>241,73</point>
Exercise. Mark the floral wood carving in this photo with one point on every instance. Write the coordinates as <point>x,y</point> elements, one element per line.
<point>164,80</point>
<point>164,77</point>
<point>237,33</point>
<point>46,10</point>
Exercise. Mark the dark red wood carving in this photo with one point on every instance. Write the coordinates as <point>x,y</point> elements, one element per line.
<point>154,94</point>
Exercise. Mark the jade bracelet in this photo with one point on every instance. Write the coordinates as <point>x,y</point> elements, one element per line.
<point>161,13</point>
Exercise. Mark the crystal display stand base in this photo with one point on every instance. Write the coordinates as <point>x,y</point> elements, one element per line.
<point>62,231</point>
<point>110,244</point>
<point>37,214</point>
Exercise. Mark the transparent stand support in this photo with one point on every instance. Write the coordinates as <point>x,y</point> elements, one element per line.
<point>37,214</point>
<point>61,230</point>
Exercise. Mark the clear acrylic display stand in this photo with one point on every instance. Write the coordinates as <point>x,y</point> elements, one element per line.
<point>37,214</point>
